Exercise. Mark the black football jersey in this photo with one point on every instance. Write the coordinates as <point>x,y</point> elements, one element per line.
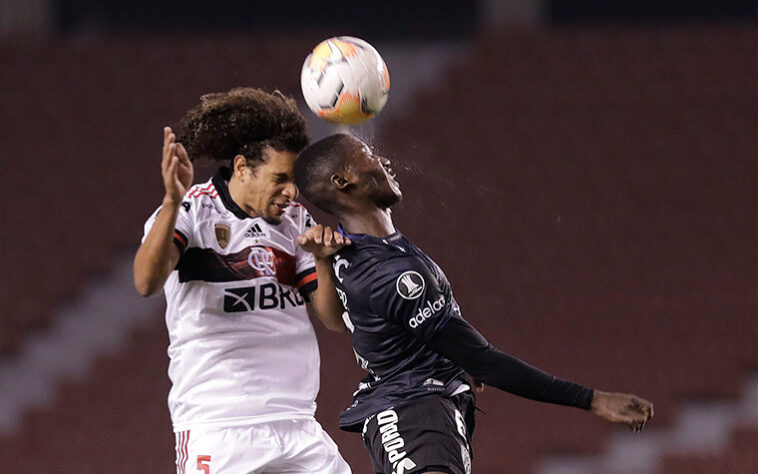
<point>396,299</point>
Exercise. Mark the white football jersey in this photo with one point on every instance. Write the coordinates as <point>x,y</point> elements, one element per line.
<point>242,348</point>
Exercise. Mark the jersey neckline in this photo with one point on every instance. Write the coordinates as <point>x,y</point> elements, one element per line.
<point>393,236</point>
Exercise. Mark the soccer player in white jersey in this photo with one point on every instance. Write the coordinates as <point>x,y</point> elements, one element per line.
<point>244,362</point>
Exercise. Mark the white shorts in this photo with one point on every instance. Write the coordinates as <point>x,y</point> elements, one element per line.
<point>279,446</point>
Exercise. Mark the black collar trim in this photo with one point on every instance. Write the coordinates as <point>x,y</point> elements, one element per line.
<point>219,180</point>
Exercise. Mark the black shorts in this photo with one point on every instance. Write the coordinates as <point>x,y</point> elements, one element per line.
<point>430,433</point>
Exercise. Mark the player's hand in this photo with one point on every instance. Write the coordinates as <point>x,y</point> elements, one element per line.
<point>622,408</point>
<point>322,241</point>
<point>176,168</point>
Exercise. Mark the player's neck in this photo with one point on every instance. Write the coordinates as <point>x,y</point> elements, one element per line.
<point>237,194</point>
<point>376,222</point>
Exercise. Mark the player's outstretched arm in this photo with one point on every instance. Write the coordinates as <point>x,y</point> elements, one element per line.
<point>158,256</point>
<point>464,345</point>
<point>323,242</point>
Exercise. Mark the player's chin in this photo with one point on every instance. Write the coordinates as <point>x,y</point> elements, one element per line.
<point>385,202</point>
<point>275,213</point>
<point>397,194</point>
<point>274,219</point>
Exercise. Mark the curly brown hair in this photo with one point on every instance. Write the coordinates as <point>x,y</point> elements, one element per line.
<point>242,121</point>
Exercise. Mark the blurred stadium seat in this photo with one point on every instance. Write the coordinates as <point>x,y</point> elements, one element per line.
<point>588,193</point>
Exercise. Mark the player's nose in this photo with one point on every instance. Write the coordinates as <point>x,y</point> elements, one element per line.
<point>290,191</point>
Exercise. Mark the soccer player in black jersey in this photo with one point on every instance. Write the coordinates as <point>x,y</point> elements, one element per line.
<point>415,407</point>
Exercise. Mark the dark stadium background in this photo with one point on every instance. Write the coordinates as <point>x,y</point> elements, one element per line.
<point>584,171</point>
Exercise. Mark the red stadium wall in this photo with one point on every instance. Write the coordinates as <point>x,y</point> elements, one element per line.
<point>591,196</point>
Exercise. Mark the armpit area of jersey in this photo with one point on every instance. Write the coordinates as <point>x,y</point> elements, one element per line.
<point>465,346</point>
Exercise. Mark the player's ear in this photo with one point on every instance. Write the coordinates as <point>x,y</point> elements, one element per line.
<point>339,181</point>
<point>239,164</point>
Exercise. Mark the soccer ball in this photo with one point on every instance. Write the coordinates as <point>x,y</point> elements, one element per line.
<point>344,80</point>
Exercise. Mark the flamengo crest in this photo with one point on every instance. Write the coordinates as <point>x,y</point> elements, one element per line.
<point>262,260</point>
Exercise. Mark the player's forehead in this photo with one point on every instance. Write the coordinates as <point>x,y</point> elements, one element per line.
<point>359,148</point>
<point>277,162</point>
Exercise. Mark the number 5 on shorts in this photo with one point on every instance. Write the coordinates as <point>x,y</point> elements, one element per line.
<point>201,466</point>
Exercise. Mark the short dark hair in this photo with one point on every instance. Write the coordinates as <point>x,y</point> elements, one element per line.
<point>315,166</point>
<point>243,121</point>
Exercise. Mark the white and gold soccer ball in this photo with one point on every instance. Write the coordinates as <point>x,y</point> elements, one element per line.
<point>345,80</point>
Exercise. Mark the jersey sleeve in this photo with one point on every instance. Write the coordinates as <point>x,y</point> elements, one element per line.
<point>410,294</point>
<point>182,227</point>
<point>305,266</point>
<point>464,345</point>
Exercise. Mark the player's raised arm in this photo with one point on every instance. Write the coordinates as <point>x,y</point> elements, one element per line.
<point>323,243</point>
<point>158,256</point>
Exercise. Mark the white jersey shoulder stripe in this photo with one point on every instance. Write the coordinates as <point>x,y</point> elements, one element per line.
<point>203,189</point>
